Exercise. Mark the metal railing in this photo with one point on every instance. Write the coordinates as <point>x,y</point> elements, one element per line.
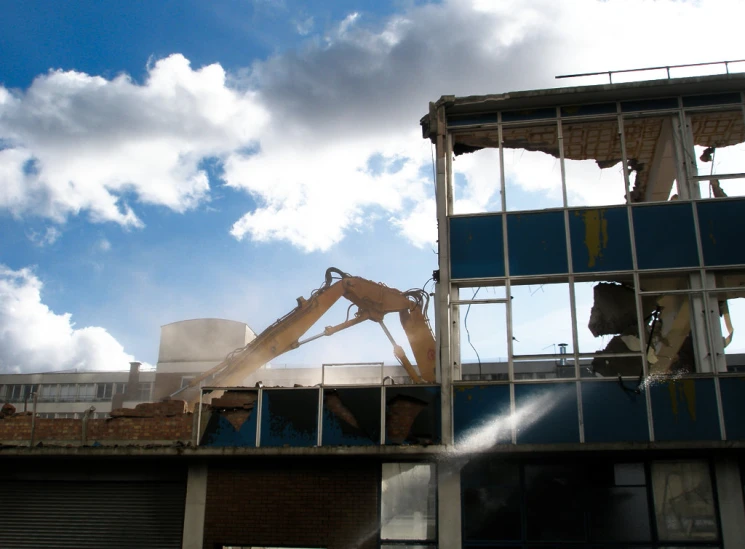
<point>663,67</point>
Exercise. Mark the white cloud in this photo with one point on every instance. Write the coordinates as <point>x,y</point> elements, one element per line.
<point>103,245</point>
<point>83,143</point>
<point>304,26</point>
<point>47,238</point>
<point>34,338</point>
<point>297,131</point>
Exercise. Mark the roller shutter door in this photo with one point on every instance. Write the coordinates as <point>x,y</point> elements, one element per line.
<point>90,513</point>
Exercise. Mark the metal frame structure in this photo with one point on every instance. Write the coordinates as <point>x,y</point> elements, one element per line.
<point>709,354</point>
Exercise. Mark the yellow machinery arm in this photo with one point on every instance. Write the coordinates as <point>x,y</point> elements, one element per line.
<point>373,301</point>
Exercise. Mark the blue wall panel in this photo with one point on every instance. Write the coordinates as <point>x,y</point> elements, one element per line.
<point>665,236</point>
<point>289,417</point>
<point>722,224</point>
<point>685,410</point>
<point>546,413</point>
<point>480,415</point>
<point>600,240</point>
<point>733,406</point>
<point>537,243</point>
<point>351,417</point>
<point>612,414</point>
<point>476,247</point>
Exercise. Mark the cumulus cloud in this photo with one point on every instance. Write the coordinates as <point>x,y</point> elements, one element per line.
<point>299,131</point>
<point>75,142</point>
<point>34,338</point>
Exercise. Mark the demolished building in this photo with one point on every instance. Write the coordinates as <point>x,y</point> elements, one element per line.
<point>629,435</point>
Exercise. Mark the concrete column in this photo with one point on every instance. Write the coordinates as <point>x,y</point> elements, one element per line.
<point>196,500</point>
<point>448,506</point>
<point>731,508</point>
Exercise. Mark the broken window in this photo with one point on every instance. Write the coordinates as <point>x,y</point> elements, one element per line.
<point>593,165</point>
<point>728,319</point>
<point>408,505</point>
<point>719,149</point>
<point>532,167</point>
<point>651,157</point>
<point>684,501</point>
<point>542,331</point>
<point>477,182</point>
<point>607,326</point>
<point>483,332</point>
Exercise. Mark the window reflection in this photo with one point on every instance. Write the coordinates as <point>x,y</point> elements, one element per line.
<point>684,501</point>
<point>491,501</point>
<point>408,501</point>
<point>554,502</point>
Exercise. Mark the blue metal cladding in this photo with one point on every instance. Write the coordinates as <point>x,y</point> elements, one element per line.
<point>685,409</point>
<point>537,243</point>
<point>480,412</point>
<point>665,223</point>
<point>546,413</point>
<point>351,417</point>
<point>600,240</point>
<point>611,414</point>
<point>733,406</point>
<point>289,417</point>
<point>231,428</point>
<point>476,247</point>
<point>412,415</point>
<point>722,225</point>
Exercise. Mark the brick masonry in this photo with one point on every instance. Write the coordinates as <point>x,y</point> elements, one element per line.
<point>162,421</point>
<point>332,503</point>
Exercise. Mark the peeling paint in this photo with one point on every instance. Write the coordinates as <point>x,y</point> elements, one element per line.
<point>596,234</point>
<point>685,390</point>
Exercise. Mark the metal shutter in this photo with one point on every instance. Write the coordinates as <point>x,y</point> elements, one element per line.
<point>86,513</point>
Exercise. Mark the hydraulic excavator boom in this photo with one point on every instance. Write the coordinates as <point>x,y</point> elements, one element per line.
<point>373,301</point>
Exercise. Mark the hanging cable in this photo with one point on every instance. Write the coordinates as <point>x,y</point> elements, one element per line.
<point>468,333</point>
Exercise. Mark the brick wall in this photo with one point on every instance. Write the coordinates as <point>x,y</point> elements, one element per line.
<point>18,429</point>
<point>331,503</point>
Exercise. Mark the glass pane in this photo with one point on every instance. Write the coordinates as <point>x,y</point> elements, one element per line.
<point>619,512</point>
<point>555,510</point>
<point>683,501</point>
<point>491,501</point>
<point>408,501</point>
<point>86,391</point>
<point>67,391</point>
<point>629,474</point>
<point>48,392</point>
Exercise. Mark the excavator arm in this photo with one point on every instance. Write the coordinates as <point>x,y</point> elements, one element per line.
<point>373,301</point>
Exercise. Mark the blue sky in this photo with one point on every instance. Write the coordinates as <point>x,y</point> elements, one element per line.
<point>167,160</point>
